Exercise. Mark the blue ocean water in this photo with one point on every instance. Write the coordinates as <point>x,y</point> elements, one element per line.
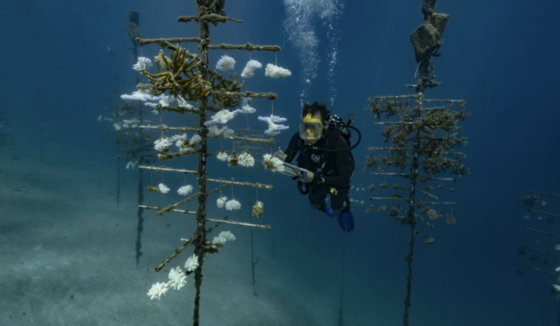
<point>68,251</point>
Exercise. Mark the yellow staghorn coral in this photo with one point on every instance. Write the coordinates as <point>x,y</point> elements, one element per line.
<point>179,76</point>
<point>222,84</point>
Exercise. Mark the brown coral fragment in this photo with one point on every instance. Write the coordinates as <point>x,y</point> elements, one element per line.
<point>451,219</point>
<point>430,241</point>
<point>233,159</point>
<point>258,209</point>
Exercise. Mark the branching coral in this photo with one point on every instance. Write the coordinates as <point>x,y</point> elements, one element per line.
<point>178,75</point>
<point>224,85</point>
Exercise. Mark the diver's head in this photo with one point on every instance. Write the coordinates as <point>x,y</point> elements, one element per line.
<point>315,121</point>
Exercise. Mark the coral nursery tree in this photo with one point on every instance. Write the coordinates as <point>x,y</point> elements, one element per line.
<point>187,77</point>
<point>423,134</point>
<point>542,254</point>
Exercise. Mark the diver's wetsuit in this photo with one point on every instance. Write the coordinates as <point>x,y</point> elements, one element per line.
<point>337,171</point>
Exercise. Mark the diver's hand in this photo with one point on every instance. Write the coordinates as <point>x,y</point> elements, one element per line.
<point>307,177</point>
<point>280,155</point>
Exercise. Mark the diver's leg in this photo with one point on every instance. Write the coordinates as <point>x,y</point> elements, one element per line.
<point>341,205</point>
<point>317,199</point>
<point>317,196</point>
<point>339,201</point>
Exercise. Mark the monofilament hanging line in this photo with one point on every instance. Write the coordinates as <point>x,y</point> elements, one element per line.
<point>161,124</point>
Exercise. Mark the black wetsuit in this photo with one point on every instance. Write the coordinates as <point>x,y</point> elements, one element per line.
<point>337,170</point>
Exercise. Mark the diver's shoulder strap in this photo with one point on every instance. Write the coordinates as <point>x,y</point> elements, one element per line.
<point>331,141</point>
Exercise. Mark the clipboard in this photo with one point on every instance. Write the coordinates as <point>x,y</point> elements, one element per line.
<point>291,170</point>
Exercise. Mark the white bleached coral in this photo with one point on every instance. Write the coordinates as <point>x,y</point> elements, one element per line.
<point>162,144</point>
<point>218,240</point>
<point>223,117</point>
<point>233,205</point>
<point>247,109</point>
<point>165,101</point>
<point>227,235</point>
<point>223,237</point>
<point>143,63</point>
<point>271,162</point>
<point>250,67</point>
<point>131,164</point>
<point>273,127</point>
<point>192,263</point>
<point>139,95</point>
<point>245,159</point>
<point>221,201</point>
<point>163,188</point>
<point>195,139</point>
<point>185,190</point>
<point>222,156</point>
<point>225,63</point>
<point>177,279</point>
<point>158,290</point>
<point>276,72</point>
<point>178,139</point>
<point>214,131</point>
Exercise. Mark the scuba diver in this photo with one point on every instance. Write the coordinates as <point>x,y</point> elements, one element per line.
<point>323,144</point>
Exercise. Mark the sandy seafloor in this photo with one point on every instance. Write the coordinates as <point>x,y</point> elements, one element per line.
<point>68,258</point>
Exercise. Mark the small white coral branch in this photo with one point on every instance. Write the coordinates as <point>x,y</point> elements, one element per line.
<point>221,201</point>
<point>185,190</point>
<point>224,131</point>
<point>276,72</point>
<point>273,127</point>
<point>245,159</point>
<point>225,63</point>
<point>192,263</point>
<point>250,68</point>
<point>177,279</point>
<point>233,205</point>
<point>158,290</point>
<point>131,165</point>
<point>271,162</point>
<point>223,117</point>
<point>162,144</point>
<point>143,63</point>
<point>247,109</point>
<point>195,140</point>
<point>223,237</point>
<point>227,235</point>
<point>222,156</point>
<point>163,188</point>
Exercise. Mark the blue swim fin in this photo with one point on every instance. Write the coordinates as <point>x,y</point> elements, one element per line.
<point>327,210</point>
<point>346,218</point>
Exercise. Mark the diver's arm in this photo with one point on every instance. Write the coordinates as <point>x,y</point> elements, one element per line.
<point>344,167</point>
<point>292,149</point>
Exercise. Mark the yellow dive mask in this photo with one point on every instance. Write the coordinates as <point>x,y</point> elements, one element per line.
<point>311,129</point>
